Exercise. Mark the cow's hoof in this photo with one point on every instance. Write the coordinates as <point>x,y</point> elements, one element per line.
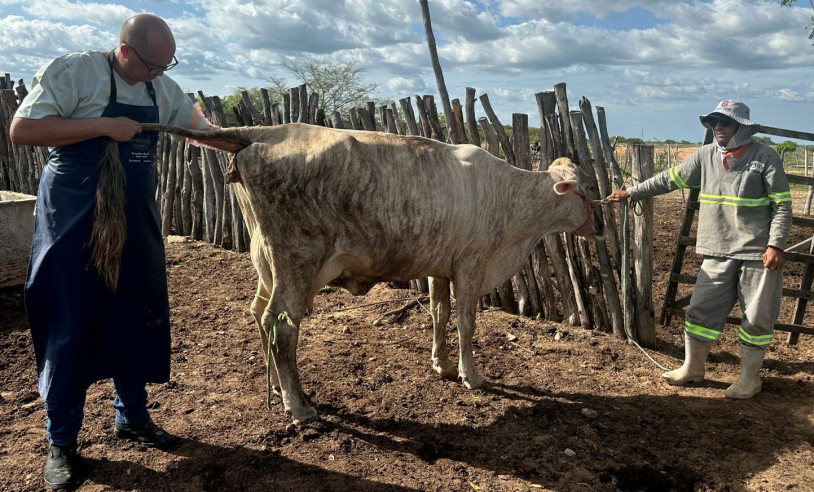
<point>306,420</point>
<point>446,371</point>
<point>474,382</point>
<point>304,417</point>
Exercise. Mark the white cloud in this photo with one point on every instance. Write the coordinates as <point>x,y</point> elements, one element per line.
<point>790,95</point>
<point>97,13</point>
<point>406,85</point>
<point>677,53</point>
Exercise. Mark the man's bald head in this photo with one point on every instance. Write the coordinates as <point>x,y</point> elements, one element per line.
<point>147,32</point>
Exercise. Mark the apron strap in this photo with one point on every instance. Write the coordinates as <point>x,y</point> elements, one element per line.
<point>113,93</point>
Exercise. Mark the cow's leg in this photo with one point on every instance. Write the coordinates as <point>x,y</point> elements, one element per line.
<point>467,303</point>
<point>440,309</point>
<point>261,300</point>
<point>281,321</point>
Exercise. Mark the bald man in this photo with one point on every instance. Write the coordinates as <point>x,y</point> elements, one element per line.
<point>83,331</point>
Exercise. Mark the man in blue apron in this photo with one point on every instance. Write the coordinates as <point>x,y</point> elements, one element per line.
<point>81,330</point>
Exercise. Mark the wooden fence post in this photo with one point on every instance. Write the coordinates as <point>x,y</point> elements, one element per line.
<point>471,121</point>
<point>527,292</point>
<point>302,116</point>
<point>409,116</point>
<point>642,169</point>
<point>425,129</point>
<point>562,105</point>
<point>459,120</point>
<point>498,128</point>
<point>436,132</point>
<point>592,190</point>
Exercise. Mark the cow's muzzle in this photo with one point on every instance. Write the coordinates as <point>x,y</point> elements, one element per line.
<point>591,229</point>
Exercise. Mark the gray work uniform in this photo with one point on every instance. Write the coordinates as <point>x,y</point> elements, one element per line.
<point>743,210</point>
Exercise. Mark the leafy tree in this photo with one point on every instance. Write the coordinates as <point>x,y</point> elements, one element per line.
<point>340,85</point>
<point>790,3</point>
<point>255,97</point>
<point>787,146</point>
<point>765,140</point>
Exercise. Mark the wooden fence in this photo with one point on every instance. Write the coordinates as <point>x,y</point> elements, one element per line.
<point>566,278</point>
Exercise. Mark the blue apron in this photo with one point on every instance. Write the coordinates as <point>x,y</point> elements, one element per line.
<point>83,332</point>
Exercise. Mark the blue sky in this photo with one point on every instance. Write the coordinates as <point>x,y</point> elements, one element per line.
<point>654,65</point>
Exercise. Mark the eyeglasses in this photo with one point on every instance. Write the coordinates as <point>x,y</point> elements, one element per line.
<point>715,120</point>
<point>154,70</point>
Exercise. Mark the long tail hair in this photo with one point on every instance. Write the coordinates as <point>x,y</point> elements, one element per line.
<point>109,223</point>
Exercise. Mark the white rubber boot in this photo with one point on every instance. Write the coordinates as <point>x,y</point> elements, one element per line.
<point>748,383</point>
<point>695,356</point>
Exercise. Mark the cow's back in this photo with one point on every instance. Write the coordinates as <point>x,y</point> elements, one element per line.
<point>396,205</point>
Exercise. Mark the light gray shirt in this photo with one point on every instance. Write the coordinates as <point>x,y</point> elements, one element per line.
<point>77,85</point>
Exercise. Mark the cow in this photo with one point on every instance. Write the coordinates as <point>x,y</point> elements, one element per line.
<point>352,208</point>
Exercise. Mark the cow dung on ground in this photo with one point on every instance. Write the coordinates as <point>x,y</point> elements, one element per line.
<point>389,423</point>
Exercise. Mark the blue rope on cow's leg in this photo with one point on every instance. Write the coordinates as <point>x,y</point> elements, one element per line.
<point>271,336</point>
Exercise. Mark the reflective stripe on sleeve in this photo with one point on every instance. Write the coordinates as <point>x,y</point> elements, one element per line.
<point>676,178</point>
<point>780,197</point>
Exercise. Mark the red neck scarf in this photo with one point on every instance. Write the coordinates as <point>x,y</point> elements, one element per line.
<point>728,156</point>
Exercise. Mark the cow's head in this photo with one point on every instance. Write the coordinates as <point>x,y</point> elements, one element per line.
<point>568,182</point>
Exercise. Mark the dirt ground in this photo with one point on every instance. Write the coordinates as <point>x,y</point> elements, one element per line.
<point>566,409</point>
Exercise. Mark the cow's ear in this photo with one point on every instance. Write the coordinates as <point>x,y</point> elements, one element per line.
<point>565,186</point>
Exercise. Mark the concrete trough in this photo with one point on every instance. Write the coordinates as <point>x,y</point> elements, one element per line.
<point>16,231</point>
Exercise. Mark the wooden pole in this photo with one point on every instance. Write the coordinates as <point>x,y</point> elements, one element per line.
<point>591,189</point>
<point>602,178</point>
<point>168,200</point>
<point>426,131</point>
<point>409,116</point>
<point>313,107</point>
<point>492,145</point>
<point>303,106</point>
<point>287,107</point>
<point>471,121</point>
<point>396,121</point>
<point>196,197</point>
<point>255,115</point>
<point>642,169</point>
<point>432,117</point>
<point>294,98</point>
<point>562,105</point>
<point>268,115</point>
<point>459,120</point>
<point>498,128</point>
<point>439,75</point>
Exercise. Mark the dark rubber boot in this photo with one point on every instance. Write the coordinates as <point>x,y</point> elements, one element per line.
<point>146,433</point>
<point>62,467</point>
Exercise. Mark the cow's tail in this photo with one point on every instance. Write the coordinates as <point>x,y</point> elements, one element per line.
<point>229,140</point>
<point>109,230</point>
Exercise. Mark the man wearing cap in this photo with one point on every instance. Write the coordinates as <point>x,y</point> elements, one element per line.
<point>743,224</point>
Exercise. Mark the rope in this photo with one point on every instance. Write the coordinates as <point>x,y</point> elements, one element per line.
<point>380,302</point>
<point>272,340</point>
